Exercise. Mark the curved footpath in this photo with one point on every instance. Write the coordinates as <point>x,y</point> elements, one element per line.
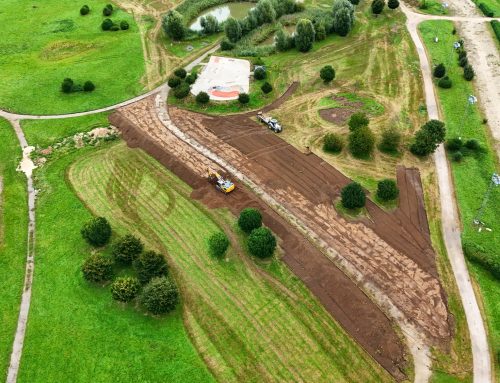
<point>450,221</point>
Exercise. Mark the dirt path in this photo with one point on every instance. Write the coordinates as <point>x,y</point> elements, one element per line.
<point>451,224</point>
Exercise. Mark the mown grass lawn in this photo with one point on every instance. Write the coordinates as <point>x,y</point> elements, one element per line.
<point>13,236</point>
<point>44,42</point>
<point>471,176</point>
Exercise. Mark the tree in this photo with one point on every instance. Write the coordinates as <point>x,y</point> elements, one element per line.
<point>225,45</point>
<point>463,61</point>
<point>243,98</point>
<point>393,4</point>
<point>88,86</point>
<point>97,231</point>
<point>160,296</point>
<point>233,30</point>
<point>390,141</point>
<point>209,24</point>
<point>173,25</point>
<point>149,265</point>
<point>202,98</point>
<point>361,142</point>
<point>97,268</point>
<point>387,190</point>
<point>259,73</point>
<point>304,35</point>
<point>107,10</point>
<point>332,143</point>
<point>174,82</point>
<point>67,85</point>
<point>182,91</point>
<point>282,40</point>
<point>249,219</point>
<point>343,17</point>
<point>454,144</point>
<point>261,242</point>
<point>266,88</point>
<point>320,31</point>
<point>435,129</point>
<point>378,6</point>
<point>124,25</point>
<point>191,78</point>
<point>473,145</point>
<point>428,137</point>
<point>468,72</point>
<point>106,24</point>
<point>84,10</point>
<point>265,12</point>
<point>218,244</point>
<point>358,120</point>
<point>439,70</point>
<point>124,289</point>
<point>354,2</point>
<point>327,74</point>
<point>181,73</point>
<point>353,196</point>
<point>127,248</point>
<point>445,82</point>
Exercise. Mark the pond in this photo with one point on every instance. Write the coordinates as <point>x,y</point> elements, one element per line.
<point>222,12</point>
<point>290,29</point>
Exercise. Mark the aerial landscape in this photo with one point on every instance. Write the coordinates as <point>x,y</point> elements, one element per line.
<point>250,191</point>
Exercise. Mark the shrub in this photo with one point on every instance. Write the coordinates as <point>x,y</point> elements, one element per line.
<point>387,190</point>
<point>353,196</point>
<point>486,10</point>
<point>327,74</point>
<point>173,25</point>
<point>114,28</point>
<point>125,289</point>
<point>218,244</point>
<point>495,24</point>
<point>181,73</point>
<point>107,10</point>
<point>343,17</point>
<point>358,120</point>
<point>393,4</point>
<point>107,24</point>
<point>439,70</point>
<point>445,82</point>
<point>97,231</point>
<point>463,61</point>
<point>462,53</point>
<point>473,145</point>
<point>226,45</point>
<point>261,242</point>
<point>88,86</point>
<point>126,249</point>
<point>232,29</point>
<point>454,144</point>
<point>67,85</point>
<point>182,91</point>
<point>377,6</point>
<point>97,268</point>
<point>332,143</point>
<point>283,40</point>
<point>320,31</point>
<point>259,73</point>
<point>266,88</point>
<point>150,265</point>
<point>160,296</point>
<point>174,82</point>
<point>249,219</point>
<point>84,10</point>
<point>243,98</point>
<point>304,35</point>
<point>457,156</point>
<point>191,79</point>
<point>202,98</point>
<point>391,138</point>
<point>124,25</point>
<point>468,72</point>
<point>361,142</point>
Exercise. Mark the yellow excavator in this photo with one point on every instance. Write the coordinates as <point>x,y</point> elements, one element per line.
<point>222,184</point>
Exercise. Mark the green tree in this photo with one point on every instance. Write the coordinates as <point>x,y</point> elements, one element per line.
<point>320,31</point>
<point>265,11</point>
<point>435,129</point>
<point>343,17</point>
<point>353,196</point>
<point>249,219</point>
<point>149,265</point>
<point>439,70</point>
<point>377,6</point>
<point>259,73</point>
<point>304,35</point>
<point>387,190</point>
<point>174,82</point>
<point>391,138</point>
<point>124,289</point>
<point>361,142</point>
<point>430,135</point>
<point>218,244</point>
<point>232,30</point>
<point>266,88</point>
<point>181,73</point>
<point>332,143</point>
<point>358,120</point>
<point>226,45</point>
<point>282,40</point>
<point>173,25</point>
<point>182,91</point>
<point>393,4</point>
<point>124,25</point>
<point>84,10</point>
<point>243,98</point>
<point>97,268</point>
<point>468,72</point>
<point>88,86</point>
<point>67,85</point>
<point>209,24</point>
<point>107,10</point>
<point>327,74</point>
<point>445,82</point>
<point>106,24</point>
<point>202,98</point>
<point>97,231</point>
<point>261,242</point>
<point>191,79</point>
<point>160,296</point>
<point>127,248</point>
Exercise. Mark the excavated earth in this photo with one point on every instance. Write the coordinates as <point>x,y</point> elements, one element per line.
<point>391,250</point>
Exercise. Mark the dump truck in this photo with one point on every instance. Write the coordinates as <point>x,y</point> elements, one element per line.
<point>221,183</point>
<point>271,123</point>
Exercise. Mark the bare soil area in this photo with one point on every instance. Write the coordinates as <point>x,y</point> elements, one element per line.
<point>341,115</point>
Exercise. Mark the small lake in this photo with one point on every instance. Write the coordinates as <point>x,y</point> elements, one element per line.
<point>223,12</point>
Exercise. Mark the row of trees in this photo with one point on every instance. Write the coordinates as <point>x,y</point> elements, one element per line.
<point>110,25</point>
<point>353,195</point>
<point>378,6</point>
<point>69,86</point>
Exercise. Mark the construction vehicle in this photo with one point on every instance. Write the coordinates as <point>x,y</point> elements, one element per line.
<point>221,183</point>
<point>271,123</point>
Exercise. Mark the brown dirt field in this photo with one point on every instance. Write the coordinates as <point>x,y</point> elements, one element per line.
<point>357,314</point>
<point>340,116</point>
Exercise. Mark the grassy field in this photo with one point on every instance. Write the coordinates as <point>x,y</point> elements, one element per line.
<point>472,175</point>
<point>248,325</point>
<point>75,329</point>
<point>13,236</point>
<point>47,132</point>
<point>57,42</point>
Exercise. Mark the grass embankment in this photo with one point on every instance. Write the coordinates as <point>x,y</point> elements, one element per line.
<point>248,325</point>
<point>471,176</point>
<point>36,56</point>
<point>491,6</point>
<point>13,237</point>
<point>75,330</point>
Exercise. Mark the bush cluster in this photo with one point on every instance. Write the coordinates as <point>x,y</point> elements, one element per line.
<point>181,84</point>
<point>333,143</point>
<point>69,86</point>
<point>110,25</point>
<point>458,149</point>
<point>353,196</point>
